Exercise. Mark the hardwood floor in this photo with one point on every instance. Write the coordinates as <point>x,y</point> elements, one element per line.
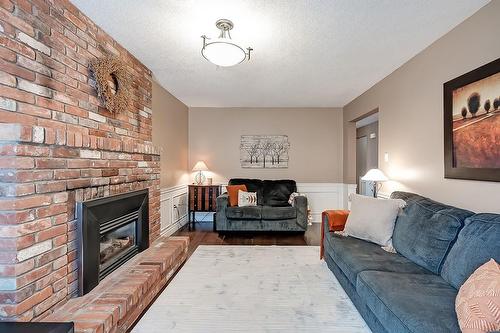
<point>204,235</point>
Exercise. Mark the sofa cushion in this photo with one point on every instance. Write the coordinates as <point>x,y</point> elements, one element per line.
<point>353,256</point>
<point>253,185</point>
<point>277,192</point>
<point>426,230</point>
<point>278,213</point>
<point>245,213</point>
<point>416,303</point>
<point>477,242</point>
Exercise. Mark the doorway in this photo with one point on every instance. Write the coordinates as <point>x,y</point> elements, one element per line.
<point>366,151</point>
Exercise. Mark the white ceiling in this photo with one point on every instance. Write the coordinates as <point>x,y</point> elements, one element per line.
<point>320,53</point>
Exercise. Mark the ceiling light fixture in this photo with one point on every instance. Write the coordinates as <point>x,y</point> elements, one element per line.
<point>223,51</point>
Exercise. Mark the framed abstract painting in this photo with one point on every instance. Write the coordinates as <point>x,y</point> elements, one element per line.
<point>472,124</point>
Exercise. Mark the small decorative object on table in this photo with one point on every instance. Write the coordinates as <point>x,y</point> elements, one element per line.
<point>202,198</point>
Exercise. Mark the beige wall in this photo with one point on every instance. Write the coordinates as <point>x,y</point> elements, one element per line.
<point>315,137</point>
<point>410,103</point>
<point>170,132</point>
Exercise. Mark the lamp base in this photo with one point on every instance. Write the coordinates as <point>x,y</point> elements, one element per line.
<point>200,178</point>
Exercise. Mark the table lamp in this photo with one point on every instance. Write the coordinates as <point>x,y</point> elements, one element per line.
<point>375,176</point>
<point>200,178</point>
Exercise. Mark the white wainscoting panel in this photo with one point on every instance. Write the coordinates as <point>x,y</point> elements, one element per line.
<point>324,196</point>
<point>173,209</point>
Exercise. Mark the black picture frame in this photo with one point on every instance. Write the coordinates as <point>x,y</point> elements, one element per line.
<point>450,169</point>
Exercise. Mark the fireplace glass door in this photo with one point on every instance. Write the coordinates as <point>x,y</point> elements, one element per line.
<point>115,243</point>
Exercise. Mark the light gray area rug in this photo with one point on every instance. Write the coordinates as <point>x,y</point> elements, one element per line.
<point>253,289</point>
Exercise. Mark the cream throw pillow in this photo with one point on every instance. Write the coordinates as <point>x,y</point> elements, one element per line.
<point>373,219</point>
<point>478,300</point>
<point>246,199</point>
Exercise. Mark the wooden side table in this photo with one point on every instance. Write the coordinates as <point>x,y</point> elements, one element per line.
<point>202,198</point>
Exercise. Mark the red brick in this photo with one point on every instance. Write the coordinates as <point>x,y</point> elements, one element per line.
<point>66,174</point>
<point>17,47</point>
<point>33,275</point>
<point>25,176</point>
<point>50,163</point>
<point>12,190</point>
<point>23,242</point>
<point>34,110</point>
<point>47,187</point>
<point>65,152</point>
<point>16,70</point>
<point>49,104</point>
<point>51,255</point>
<point>78,183</point>
<point>34,226</point>
<point>25,202</point>
<point>51,233</point>
<point>7,54</point>
<point>30,302</point>
<point>8,218</point>
<point>52,210</point>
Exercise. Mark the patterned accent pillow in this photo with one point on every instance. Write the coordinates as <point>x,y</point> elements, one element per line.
<point>246,199</point>
<point>478,300</point>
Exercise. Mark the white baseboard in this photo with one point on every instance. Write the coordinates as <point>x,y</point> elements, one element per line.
<point>173,209</point>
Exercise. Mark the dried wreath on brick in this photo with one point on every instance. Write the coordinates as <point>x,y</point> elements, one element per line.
<point>112,82</point>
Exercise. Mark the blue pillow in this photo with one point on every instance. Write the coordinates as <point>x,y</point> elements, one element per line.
<point>477,243</point>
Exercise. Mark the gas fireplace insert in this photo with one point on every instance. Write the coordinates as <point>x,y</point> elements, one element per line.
<point>111,230</point>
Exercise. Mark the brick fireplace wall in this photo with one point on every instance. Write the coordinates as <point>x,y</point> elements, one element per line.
<point>59,145</point>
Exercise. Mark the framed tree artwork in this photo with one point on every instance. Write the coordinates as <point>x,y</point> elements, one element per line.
<point>264,151</point>
<point>472,124</point>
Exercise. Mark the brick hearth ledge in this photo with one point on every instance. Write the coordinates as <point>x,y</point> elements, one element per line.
<point>116,303</point>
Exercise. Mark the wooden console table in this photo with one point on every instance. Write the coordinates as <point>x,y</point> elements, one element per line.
<point>202,198</point>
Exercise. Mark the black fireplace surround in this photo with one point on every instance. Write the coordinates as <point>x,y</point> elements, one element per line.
<point>111,230</point>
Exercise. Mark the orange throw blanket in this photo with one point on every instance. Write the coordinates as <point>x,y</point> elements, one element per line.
<point>336,221</point>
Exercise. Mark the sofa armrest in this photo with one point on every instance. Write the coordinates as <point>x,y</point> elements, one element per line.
<point>335,219</point>
<point>220,217</point>
<point>300,203</point>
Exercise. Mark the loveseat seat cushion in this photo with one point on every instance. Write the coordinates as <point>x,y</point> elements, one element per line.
<point>426,230</point>
<point>353,256</point>
<point>416,303</point>
<point>244,213</point>
<point>253,185</point>
<point>278,213</point>
<point>477,242</point>
<point>277,192</point>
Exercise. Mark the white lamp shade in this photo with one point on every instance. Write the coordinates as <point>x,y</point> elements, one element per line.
<point>223,53</point>
<point>200,166</point>
<point>375,175</point>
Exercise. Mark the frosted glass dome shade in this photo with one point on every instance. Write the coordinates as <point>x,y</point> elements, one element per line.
<point>223,53</point>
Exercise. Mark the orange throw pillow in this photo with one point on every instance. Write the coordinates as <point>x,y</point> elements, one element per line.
<point>478,300</point>
<point>232,191</point>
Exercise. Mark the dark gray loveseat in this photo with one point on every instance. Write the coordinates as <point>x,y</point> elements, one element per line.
<point>272,213</point>
<point>414,290</point>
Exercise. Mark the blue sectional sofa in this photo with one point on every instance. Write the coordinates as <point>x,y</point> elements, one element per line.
<point>414,290</point>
